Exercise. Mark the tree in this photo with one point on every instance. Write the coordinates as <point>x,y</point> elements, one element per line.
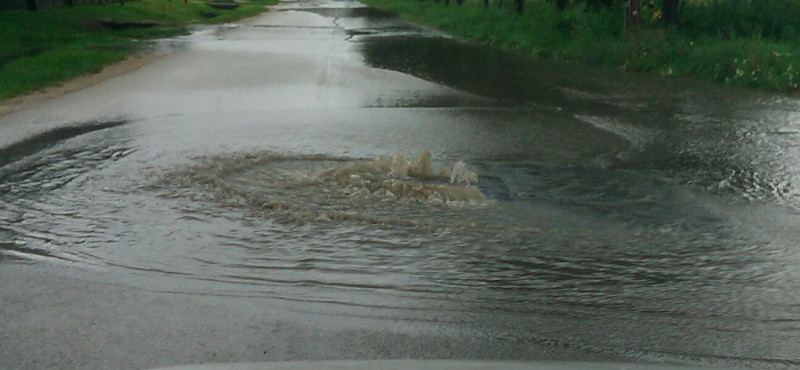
<point>669,11</point>
<point>599,3</point>
<point>519,4</point>
<point>31,5</point>
<point>561,4</point>
<point>633,13</point>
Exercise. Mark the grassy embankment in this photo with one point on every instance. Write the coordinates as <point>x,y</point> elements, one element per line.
<point>746,43</point>
<point>46,47</point>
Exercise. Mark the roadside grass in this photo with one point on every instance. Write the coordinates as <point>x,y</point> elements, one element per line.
<point>49,46</point>
<point>725,42</point>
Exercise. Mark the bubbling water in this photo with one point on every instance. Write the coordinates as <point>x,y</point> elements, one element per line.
<point>396,179</point>
<point>386,189</point>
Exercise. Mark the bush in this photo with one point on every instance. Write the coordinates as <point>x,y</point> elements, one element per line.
<point>777,20</point>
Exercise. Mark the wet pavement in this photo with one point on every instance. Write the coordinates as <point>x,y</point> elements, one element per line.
<point>302,186</point>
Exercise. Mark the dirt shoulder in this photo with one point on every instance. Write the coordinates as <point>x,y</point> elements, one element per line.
<point>127,65</point>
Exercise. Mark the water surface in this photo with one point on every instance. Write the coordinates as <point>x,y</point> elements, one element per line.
<point>651,218</point>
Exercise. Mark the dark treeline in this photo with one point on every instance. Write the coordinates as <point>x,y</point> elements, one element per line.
<point>669,10</point>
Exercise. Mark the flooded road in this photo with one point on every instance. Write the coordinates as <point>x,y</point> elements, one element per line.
<point>321,160</point>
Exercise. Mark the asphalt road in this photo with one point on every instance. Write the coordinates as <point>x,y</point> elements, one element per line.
<point>64,316</point>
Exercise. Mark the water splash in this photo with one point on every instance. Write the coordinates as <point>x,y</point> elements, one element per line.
<point>396,179</point>
<point>461,175</point>
<point>387,189</point>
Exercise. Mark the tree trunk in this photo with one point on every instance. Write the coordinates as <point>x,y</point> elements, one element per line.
<point>31,5</point>
<point>599,3</point>
<point>633,13</point>
<point>519,5</point>
<point>669,9</point>
<point>561,4</point>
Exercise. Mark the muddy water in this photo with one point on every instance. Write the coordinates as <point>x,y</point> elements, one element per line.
<point>612,212</point>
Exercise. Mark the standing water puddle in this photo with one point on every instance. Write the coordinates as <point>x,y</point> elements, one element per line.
<point>662,215</point>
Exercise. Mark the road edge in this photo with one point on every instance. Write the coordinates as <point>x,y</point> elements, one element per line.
<point>108,72</point>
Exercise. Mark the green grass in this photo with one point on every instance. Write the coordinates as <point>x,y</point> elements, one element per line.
<point>46,47</point>
<point>746,43</point>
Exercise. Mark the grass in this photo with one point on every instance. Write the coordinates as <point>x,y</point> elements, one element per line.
<point>746,43</point>
<point>46,47</point>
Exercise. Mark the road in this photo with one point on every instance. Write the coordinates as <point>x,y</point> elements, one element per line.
<point>69,316</point>
<point>223,203</point>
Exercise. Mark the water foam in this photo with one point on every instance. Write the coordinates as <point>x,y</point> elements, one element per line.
<point>396,179</point>
<point>386,189</point>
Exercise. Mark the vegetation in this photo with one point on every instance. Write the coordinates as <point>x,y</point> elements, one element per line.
<point>751,43</point>
<point>47,46</point>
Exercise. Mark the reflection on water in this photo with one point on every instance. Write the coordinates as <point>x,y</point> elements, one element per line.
<point>371,14</point>
<point>42,141</point>
<point>631,216</point>
<point>707,138</point>
<point>509,78</point>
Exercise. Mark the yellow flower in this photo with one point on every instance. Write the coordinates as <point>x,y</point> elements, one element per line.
<point>656,16</point>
